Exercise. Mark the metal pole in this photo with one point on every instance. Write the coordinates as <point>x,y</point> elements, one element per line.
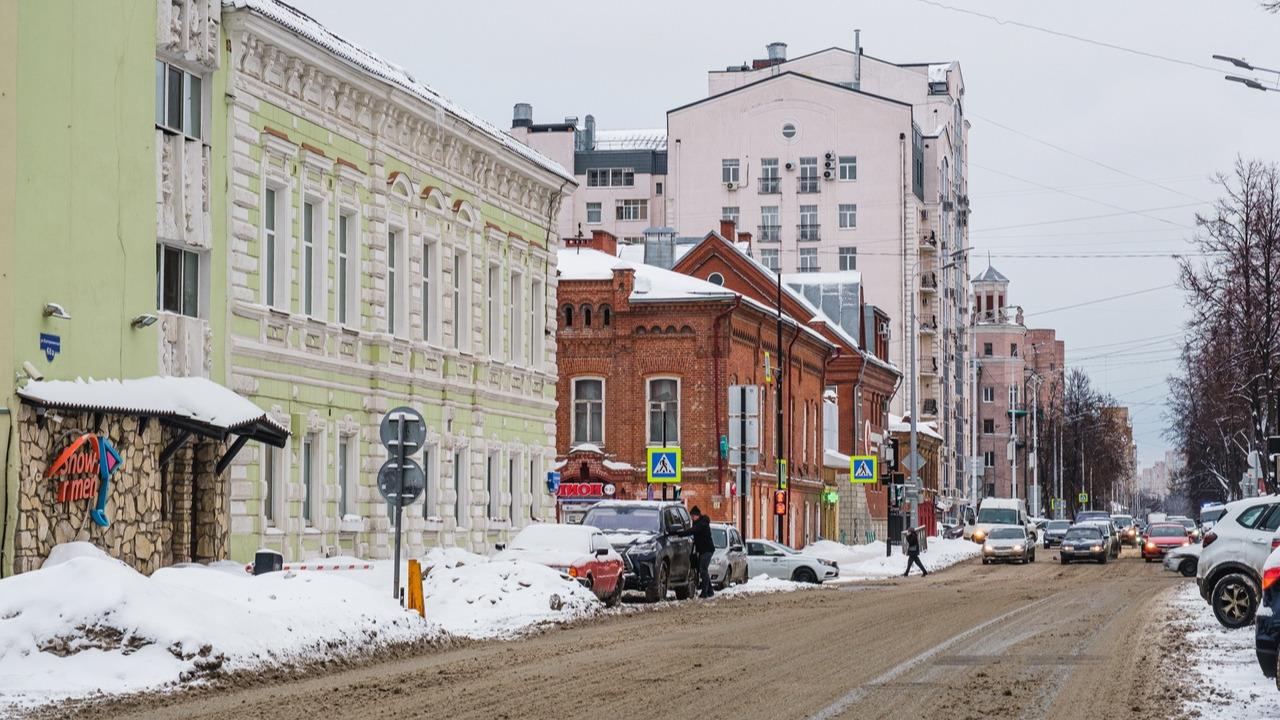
<point>663,419</point>
<point>395,587</point>
<point>973,424</point>
<point>742,473</point>
<point>1035,448</point>
<point>915,411</point>
<point>1013,445</point>
<point>778,446</point>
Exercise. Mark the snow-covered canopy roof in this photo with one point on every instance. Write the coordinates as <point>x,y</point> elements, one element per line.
<point>196,403</point>
<point>899,425</point>
<point>834,459</point>
<point>633,139</point>
<point>938,72</point>
<point>305,26</point>
<point>651,284</point>
<point>991,275</point>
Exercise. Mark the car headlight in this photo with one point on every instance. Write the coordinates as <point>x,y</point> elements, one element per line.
<point>645,548</point>
<point>828,563</point>
<point>987,549</point>
<point>979,535</point>
<point>1096,548</point>
<point>1017,548</point>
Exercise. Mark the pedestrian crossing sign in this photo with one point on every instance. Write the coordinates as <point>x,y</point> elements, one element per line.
<point>863,469</point>
<point>664,465</point>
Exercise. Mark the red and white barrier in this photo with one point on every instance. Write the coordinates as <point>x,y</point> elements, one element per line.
<point>318,566</point>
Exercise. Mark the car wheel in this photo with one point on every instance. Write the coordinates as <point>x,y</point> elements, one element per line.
<point>1235,600</point>
<point>804,575</point>
<point>690,588</point>
<point>657,589</point>
<point>1064,560</point>
<point>986,561</point>
<point>615,597</point>
<point>1187,568</point>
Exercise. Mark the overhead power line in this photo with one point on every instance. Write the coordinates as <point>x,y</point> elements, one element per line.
<point>1089,217</point>
<point>1100,300</point>
<point>1078,196</point>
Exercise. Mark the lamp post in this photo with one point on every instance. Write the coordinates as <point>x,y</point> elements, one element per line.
<point>1246,65</point>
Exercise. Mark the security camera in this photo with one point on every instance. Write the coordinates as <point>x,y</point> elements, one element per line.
<point>54,310</point>
<point>31,371</point>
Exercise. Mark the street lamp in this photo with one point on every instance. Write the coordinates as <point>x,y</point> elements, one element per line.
<point>1247,82</point>
<point>1246,65</point>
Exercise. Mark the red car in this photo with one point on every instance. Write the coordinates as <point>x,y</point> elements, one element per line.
<point>1161,538</point>
<point>580,552</point>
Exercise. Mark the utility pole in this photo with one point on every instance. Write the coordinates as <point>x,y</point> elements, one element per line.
<point>1013,441</point>
<point>973,424</point>
<point>915,379</point>
<point>1035,446</point>
<point>778,447</point>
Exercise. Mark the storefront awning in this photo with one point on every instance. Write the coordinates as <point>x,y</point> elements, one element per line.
<point>197,405</point>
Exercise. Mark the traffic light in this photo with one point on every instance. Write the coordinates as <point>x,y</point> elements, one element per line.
<point>779,502</point>
<point>676,490</point>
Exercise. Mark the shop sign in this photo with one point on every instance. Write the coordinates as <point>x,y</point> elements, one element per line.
<point>83,469</point>
<point>585,490</point>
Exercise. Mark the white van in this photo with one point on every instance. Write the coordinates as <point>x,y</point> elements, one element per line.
<point>993,512</point>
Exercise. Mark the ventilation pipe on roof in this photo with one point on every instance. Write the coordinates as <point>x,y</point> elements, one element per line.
<point>522,115</point>
<point>589,128</point>
<point>777,52</point>
<point>857,59</point>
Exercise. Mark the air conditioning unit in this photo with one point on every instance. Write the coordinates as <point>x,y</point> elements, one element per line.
<point>828,175</point>
<point>830,157</point>
<point>790,166</point>
<point>730,186</point>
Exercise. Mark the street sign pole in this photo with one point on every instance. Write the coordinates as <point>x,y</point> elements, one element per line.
<point>742,469</point>
<point>401,480</point>
<point>395,586</point>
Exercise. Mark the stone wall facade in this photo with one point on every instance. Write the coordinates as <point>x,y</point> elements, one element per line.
<point>157,516</point>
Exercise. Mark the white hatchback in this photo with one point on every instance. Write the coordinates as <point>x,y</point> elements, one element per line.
<point>1229,571</point>
<point>765,557</point>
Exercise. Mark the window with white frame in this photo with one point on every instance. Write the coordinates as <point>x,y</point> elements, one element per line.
<point>769,258</point>
<point>535,488</point>
<point>397,282</point>
<point>348,270</point>
<point>848,167</point>
<point>461,301</point>
<point>611,177</point>
<point>632,209</point>
<point>513,487</point>
<point>177,280</point>
<point>664,411</point>
<point>516,320</point>
<point>988,394</point>
<point>848,258</point>
<point>808,259</point>
<point>494,312</point>
<point>346,474</point>
<point>729,171</point>
<point>808,175</point>
<point>431,291</point>
<point>848,216</point>
<point>431,468</point>
<point>730,212</point>
<point>271,481</point>
<point>770,224</point>
<point>769,176</point>
<point>537,324</point>
<point>830,419</point>
<point>461,481</point>
<point>588,411</point>
<point>989,459</point>
<point>594,214</point>
<point>179,101</point>
<point>275,267</point>
<point>492,483</point>
<point>309,447</point>
<point>808,229</point>
<point>310,260</point>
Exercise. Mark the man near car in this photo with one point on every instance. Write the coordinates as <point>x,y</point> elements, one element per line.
<point>913,553</point>
<point>704,546</point>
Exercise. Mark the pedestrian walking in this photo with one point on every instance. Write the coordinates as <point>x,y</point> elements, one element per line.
<point>913,553</point>
<point>704,547</point>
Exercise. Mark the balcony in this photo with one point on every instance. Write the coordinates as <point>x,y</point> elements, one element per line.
<point>807,232</point>
<point>929,365</point>
<point>769,233</point>
<point>807,185</point>
<point>929,242</point>
<point>770,186</point>
<point>930,326</point>
<point>930,407</point>
<point>929,282</point>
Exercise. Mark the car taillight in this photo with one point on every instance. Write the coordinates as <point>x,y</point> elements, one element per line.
<point>1275,543</point>
<point>573,572</point>
<point>1270,576</point>
<point>1209,537</point>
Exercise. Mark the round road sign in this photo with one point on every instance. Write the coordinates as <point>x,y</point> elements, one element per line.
<point>415,481</point>
<point>415,430</point>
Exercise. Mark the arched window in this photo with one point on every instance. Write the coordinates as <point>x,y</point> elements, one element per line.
<point>715,278</point>
<point>586,316</point>
<point>568,316</point>
<point>606,315</point>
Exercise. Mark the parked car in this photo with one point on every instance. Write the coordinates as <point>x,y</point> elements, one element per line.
<point>1229,571</point>
<point>765,557</point>
<point>1161,538</point>
<point>1054,532</point>
<point>1209,514</point>
<point>1183,560</point>
<point>1193,530</point>
<point>1009,544</point>
<point>953,531</point>
<point>729,563</point>
<point>1084,542</point>
<point>1127,529</point>
<point>580,552</point>
<point>1267,633</point>
<point>1086,515</point>
<point>646,533</point>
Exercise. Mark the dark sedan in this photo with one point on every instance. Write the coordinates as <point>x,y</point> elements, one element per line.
<point>1054,532</point>
<point>1084,542</point>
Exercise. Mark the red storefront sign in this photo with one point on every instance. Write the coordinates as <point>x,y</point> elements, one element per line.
<point>585,490</point>
<point>83,470</point>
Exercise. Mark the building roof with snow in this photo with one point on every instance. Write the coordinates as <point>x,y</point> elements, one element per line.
<point>991,275</point>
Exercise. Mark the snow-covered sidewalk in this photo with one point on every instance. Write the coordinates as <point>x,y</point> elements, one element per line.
<point>868,562</point>
<point>1224,680</point>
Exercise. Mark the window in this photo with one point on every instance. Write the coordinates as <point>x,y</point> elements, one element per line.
<point>516,319</point>
<point>460,480</point>
<point>538,324</point>
<point>177,280</point>
<point>989,459</point>
<point>494,334</point>
<point>788,131</point>
<point>770,224</point>
<point>664,411</point>
<point>1013,349</point>
<point>848,167</point>
<point>632,209</point>
<point>430,292</point>
<point>769,258</point>
<point>848,216</point>
<point>392,280</point>
<point>988,394</point>
<point>729,171</point>
<point>606,315</point>
<point>611,177</point>
<point>513,489</point>
<point>308,480</point>
<point>491,483</point>
<point>568,316</point>
<point>808,229</point>
<point>344,476</point>
<point>1013,396</point>
<point>808,175</point>
<point>348,265</point>
<point>730,212</point>
<point>1250,517</point>
<point>310,264</point>
<point>269,478</point>
<point>769,176</point>
<point>535,491</point>
<point>593,213</point>
<point>715,278</point>
<point>461,301</point>
<point>179,101</point>
<point>275,272</point>
<point>657,189</point>
<point>586,315</point>
<point>431,468</point>
<point>988,426</point>
<point>848,258</point>
<point>808,259</point>
<point>588,411</point>
<point>987,349</point>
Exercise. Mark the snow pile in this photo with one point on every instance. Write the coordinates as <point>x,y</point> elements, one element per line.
<point>868,562</point>
<point>1223,663</point>
<point>450,557</point>
<point>86,623</point>
<point>764,584</point>
<point>500,599</point>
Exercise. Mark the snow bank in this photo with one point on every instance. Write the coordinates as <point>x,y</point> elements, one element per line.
<point>1223,663</point>
<point>764,584</point>
<point>501,599</point>
<point>86,623</point>
<point>868,562</point>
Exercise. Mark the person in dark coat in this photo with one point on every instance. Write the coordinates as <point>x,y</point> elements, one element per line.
<point>913,553</point>
<point>704,547</point>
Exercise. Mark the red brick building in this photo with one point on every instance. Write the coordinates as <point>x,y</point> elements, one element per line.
<point>644,351</point>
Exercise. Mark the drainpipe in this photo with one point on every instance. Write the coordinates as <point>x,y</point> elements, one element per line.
<point>715,382</point>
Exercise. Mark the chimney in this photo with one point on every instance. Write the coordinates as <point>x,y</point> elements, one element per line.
<point>857,59</point>
<point>604,241</point>
<point>571,120</point>
<point>744,238</point>
<point>660,247</point>
<point>522,115</point>
<point>728,229</point>
<point>777,52</point>
<point>589,128</point>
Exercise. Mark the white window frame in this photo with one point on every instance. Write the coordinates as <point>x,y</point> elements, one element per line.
<point>648,407</point>
<point>573,409</point>
<point>273,470</point>
<point>431,468</point>
<point>538,321</point>
<point>807,254</point>
<point>275,266</point>
<point>184,254</point>
<point>313,286</point>
<point>346,472</point>
<point>346,268</point>
<point>730,170</point>
<point>192,125</point>
<point>493,312</point>
<point>535,488</point>
<point>493,483</point>
<point>988,394</point>
<point>462,300</point>
<point>731,212</point>
<point>989,459</point>
<point>462,487</point>
<point>598,210</point>
<point>397,281</point>
<point>631,209</point>
<point>515,319</point>
<point>516,499</point>
<point>766,254</point>
<point>848,168</point>
<point>848,216</point>
<point>852,256</point>
<point>308,452</point>
<point>429,273</point>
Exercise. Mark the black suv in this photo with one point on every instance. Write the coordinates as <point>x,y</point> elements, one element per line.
<point>647,536</point>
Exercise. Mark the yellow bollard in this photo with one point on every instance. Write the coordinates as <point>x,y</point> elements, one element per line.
<point>415,588</point>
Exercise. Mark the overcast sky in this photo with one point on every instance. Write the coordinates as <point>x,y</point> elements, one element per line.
<point>1154,122</point>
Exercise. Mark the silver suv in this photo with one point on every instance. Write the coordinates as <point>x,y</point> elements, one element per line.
<point>1229,573</point>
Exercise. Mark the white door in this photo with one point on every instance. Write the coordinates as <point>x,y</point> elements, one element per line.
<point>1260,523</point>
